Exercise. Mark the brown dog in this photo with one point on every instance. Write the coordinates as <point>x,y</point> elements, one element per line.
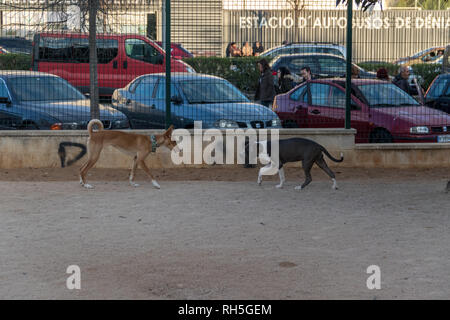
<point>138,145</point>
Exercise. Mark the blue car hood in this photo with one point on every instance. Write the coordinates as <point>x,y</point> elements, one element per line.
<point>70,111</point>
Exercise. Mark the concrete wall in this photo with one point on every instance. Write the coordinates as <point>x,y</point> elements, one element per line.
<point>41,149</point>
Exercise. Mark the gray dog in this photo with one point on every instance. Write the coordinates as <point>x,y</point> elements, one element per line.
<point>296,149</point>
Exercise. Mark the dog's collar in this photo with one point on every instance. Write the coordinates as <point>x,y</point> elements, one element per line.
<point>154,143</point>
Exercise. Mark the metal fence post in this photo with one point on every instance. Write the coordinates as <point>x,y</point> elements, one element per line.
<point>348,78</point>
<point>168,57</point>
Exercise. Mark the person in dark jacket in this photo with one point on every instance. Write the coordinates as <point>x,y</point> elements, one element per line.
<point>285,82</point>
<point>401,80</point>
<point>257,48</point>
<point>265,91</point>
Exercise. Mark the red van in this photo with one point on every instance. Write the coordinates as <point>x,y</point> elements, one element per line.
<point>121,58</point>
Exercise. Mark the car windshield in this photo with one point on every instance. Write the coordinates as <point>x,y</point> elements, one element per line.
<point>42,88</point>
<point>385,95</point>
<point>211,91</point>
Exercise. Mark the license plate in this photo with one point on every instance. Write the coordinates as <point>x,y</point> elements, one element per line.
<point>444,139</point>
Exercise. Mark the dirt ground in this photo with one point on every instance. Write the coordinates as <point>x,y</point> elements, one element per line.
<point>215,234</point>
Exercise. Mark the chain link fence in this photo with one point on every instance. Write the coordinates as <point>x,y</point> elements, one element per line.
<point>234,64</point>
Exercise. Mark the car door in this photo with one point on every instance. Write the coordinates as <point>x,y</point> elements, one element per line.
<point>8,120</point>
<point>325,109</point>
<point>140,104</point>
<point>177,110</point>
<point>141,58</point>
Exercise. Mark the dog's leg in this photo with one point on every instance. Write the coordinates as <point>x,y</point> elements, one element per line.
<point>323,165</point>
<point>307,165</point>
<point>263,171</point>
<point>282,178</point>
<point>93,156</point>
<point>147,170</point>
<point>133,170</point>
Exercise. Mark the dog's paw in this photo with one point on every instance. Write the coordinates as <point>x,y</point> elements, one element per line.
<point>88,186</point>
<point>298,188</point>
<point>134,184</point>
<point>279,186</point>
<point>156,184</point>
<point>259,181</point>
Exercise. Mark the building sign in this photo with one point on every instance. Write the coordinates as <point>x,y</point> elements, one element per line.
<point>370,22</point>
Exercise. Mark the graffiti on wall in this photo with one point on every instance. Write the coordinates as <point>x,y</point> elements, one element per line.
<point>63,154</point>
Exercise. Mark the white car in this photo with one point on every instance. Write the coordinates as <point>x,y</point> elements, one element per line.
<point>305,47</point>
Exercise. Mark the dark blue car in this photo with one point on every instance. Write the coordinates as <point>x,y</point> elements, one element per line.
<point>35,100</point>
<point>195,97</point>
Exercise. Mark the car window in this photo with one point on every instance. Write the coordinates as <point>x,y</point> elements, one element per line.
<point>211,91</point>
<point>319,94</point>
<point>43,88</point>
<point>144,89</point>
<point>3,90</point>
<point>298,94</point>
<point>337,98</point>
<point>447,92</point>
<point>437,88</point>
<point>161,90</point>
<point>386,95</point>
<point>296,64</point>
<point>330,65</point>
<point>76,49</point>
<point>140,50</point>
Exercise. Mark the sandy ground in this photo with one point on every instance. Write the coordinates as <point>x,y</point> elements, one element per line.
<point>215,234</point>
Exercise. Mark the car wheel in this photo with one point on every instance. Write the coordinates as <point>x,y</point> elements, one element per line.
<point>380,136</point>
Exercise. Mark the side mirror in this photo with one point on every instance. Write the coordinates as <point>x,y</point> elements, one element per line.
<point>5,100</point>
<point>176,100</point>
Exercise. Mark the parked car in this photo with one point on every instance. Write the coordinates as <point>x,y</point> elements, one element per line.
<point>195,97</point>
<point>322,65</point>
<point>177,50</point>
<point>36,100</point>
<point>380,111</point>
<point>15,45</point>
<point>120,59</point>
<point>430,55</point>
<point>305,47</point>
<point>438,94</point>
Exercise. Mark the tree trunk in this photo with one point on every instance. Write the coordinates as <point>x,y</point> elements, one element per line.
<point>93,8</point>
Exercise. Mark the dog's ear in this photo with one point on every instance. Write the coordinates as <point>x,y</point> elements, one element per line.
<point>169,131</point>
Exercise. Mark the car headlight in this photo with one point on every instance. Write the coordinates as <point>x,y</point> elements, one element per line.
<point>121,124</point>
<point>226,124</point>
<point>419,130</point>
<point>275,123</point>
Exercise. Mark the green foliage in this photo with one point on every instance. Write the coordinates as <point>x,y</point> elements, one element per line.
<point>424,4</point>
<point>242,72</point>
<point>15,61</point>
<point>426,73</point>
<point>391,68</point>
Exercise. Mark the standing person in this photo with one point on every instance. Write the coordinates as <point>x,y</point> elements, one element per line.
<point>306,73</point>
<point>355,72</point>
<point>401,80</point>
<point>285,80</point>
<point>247,51</point>
<point>227,50</point>
<point>382,74</point>
<point>258,48</point>
<point>235,51</point>
<point>265,91</point>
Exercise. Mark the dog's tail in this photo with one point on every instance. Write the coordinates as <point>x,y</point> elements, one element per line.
<point>330,156</point>
<point>91,124</point>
